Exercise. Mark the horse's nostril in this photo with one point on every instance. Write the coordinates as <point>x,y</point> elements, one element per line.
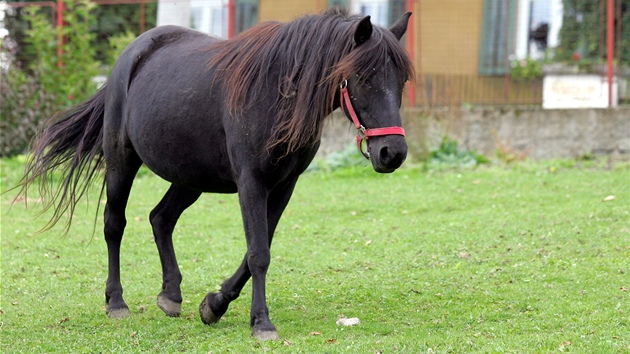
<point>384,154</point>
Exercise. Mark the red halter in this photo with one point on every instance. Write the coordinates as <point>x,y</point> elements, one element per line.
<point>363,133</point>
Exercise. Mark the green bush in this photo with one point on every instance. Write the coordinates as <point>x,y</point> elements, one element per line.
<point>526,70</point>
<point>117,44</point>
<point>72,79</point>
<point>24,104</point>
<point>32,94</point>
<point>449,155</point>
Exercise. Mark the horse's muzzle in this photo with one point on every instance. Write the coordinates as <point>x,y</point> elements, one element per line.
<point>387,153</point>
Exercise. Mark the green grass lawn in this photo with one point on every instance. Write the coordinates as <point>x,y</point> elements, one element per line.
<point>520,259</point>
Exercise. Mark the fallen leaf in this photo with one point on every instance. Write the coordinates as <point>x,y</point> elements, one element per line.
<point>623,288</point>
<point>287,342</point>
<point>609,198</point>
<point>331,341</point>
<point>64,320</point>
<point>367,243</point>
<point>315,333</point>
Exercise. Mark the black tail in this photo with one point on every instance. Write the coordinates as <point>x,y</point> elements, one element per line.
<point>71,142</point>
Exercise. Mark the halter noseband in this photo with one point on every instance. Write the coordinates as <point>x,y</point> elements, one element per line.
<point>363,132</point>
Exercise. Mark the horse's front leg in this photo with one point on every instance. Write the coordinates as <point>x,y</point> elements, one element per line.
<point>253,200</point>
<point>215,305</point>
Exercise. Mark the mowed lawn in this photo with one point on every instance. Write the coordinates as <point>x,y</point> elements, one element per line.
<point>528,258</point>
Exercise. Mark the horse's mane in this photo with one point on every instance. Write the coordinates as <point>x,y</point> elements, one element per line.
<point>312,55</point>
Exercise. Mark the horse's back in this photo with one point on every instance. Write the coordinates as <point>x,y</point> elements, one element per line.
<point>143,48</point>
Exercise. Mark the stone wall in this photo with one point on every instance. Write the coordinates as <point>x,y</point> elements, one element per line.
<point>532,132</point>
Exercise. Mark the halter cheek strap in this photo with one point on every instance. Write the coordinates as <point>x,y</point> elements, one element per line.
<point>363,133</point>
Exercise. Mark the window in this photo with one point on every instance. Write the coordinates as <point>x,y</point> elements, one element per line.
<point>246,15</point>
<point>497,36</point>
<point>384,12</point>
<point>338,3</point>
<point>209,16</point>
<point>396,9</point>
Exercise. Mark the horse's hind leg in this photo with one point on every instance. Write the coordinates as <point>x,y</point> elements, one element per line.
<point>163,219</point>
<point>121,171</point>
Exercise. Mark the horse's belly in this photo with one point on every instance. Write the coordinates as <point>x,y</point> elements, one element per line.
<point>186,153</point>
<point>191,174</point>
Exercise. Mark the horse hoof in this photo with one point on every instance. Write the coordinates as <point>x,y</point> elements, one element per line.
<point>119,313</point>
<point>265,335</point>
<point>205,312</point>
<point>170,307</point>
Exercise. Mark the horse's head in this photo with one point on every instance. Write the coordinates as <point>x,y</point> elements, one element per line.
<point>372,97</point>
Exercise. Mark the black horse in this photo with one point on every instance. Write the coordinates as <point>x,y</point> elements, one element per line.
<point>223,116</point>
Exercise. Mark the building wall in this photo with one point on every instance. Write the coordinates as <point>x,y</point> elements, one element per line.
<point>449,34</point>
<point>287,10</point>
<point>447,39</point>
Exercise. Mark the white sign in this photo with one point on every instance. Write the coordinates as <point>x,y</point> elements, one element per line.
<point>577,91</point>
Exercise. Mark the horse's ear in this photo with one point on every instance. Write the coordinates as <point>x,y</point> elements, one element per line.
<point>363,31</point>
<point>400,27</point>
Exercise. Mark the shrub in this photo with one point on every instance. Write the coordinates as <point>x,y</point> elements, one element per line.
<point>32,94</point>
<point>23,106</point>
<point>526,70</point>
<point>450,156</point>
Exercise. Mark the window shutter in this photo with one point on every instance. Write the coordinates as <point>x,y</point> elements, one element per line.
<point>246,14</point>
<point>497,36</point>
<point>396,10</point>
<point>338,3</point>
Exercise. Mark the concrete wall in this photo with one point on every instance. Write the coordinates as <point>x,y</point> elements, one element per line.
<point>536,133</point>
